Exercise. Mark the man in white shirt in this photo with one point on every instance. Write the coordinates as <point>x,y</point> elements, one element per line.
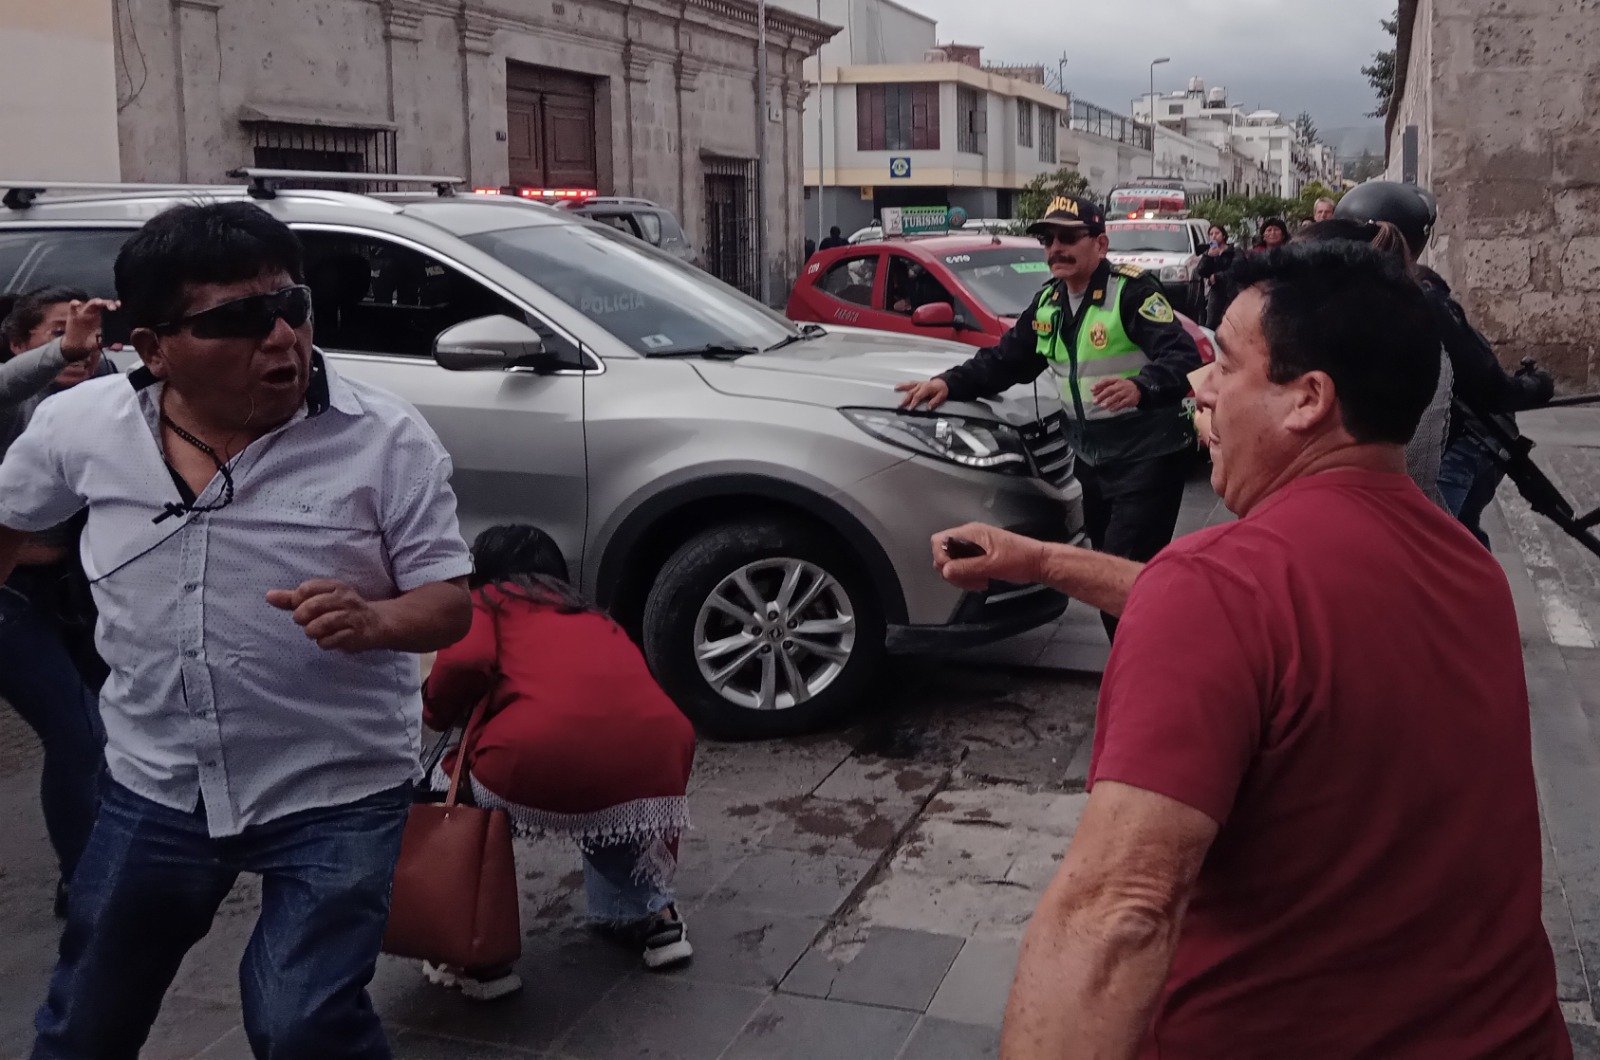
<point>269,544</point>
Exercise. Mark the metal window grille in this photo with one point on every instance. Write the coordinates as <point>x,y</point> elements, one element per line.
<point>730,220</point>
<point>1024,123</point>
<point>972,121</point>
<point>1086,117</point>
<point>281,145</point>
<point>1047,135</point>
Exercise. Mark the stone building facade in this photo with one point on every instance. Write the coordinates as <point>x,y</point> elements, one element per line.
<point>1498,112</point>
<point>653,98</point>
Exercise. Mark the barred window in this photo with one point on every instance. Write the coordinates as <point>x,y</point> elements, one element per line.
<point>328,148</point>
<point>1024,123</point>
<point>972,121</point>
<point>1047,135</point>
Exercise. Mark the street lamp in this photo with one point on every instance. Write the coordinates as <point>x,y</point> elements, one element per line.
<point>1153,64</point>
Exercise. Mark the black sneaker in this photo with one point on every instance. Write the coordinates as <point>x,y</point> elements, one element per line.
<point>666,941</point>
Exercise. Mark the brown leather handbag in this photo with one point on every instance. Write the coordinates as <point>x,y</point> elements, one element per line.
<point>455,887</point>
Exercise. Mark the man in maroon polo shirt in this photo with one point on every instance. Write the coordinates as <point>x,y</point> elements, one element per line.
<point>1312,828</point>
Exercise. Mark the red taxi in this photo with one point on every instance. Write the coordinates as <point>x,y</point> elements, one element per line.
<point>962,288</point>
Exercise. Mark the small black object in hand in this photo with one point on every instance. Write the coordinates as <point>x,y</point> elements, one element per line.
<point>961,548</point>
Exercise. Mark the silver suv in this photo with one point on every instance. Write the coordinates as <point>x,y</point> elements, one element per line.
<point>641,219</point>
<point>739,491</point>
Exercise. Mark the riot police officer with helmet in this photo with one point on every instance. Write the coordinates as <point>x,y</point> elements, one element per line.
<point>1468,473</point>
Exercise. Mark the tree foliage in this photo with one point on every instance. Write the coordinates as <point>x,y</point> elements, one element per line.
<point>1380,74</point>
<point>1306,128</point>
<point>1039,192</point>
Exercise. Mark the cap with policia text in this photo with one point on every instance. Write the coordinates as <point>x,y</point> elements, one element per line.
<point>1067,211</point>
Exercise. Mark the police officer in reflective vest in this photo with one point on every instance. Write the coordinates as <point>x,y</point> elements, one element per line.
<point>1121,361</point>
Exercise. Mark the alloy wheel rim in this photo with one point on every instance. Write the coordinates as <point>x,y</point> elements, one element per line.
<point>774,634</point>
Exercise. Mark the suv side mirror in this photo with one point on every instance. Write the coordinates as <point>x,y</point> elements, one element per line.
<point>488,344</point>
<point>934,315</point>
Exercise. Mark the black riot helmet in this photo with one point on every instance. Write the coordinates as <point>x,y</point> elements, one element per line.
<point>1405,206</point>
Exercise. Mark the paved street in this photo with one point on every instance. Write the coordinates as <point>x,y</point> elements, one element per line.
<point>862,893</point>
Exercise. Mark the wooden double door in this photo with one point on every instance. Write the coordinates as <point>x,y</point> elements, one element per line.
<point>550,128</point>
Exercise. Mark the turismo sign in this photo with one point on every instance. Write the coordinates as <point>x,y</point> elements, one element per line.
<point>921,220</point>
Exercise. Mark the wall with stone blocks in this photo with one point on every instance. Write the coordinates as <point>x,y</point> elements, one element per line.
<point>1506,94</point>
<point>674,84</point>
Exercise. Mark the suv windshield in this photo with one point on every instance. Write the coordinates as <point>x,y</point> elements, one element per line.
<point>655,304</point>
<point>1004,279</point>
<point>1170,238</point>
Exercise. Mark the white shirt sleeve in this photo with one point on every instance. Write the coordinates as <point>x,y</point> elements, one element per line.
<point>420,525</point>
<point>35,493</point>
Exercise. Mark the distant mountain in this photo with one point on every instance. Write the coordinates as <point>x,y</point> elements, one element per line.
<point>1349,141</point>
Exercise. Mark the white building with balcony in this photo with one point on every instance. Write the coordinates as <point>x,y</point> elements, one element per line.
<point>939,131</point>
<point>1267,154</point>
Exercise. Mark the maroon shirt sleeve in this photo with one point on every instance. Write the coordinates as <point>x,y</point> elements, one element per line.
<point>461,673</point>
<point>1183,703</point>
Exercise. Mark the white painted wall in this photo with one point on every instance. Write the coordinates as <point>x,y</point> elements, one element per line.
<point>58,118</point>
<point>1105,163</point>
<point>1187,158</point>
<point>870,31</point>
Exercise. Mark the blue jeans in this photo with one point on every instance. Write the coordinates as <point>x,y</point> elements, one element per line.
<point>1468,478</point>
<point>40,681</point>
<point>149,884</point>
<point>616,891</point>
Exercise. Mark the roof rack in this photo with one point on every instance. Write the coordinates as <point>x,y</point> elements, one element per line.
<point>21,193</point>
<point>264,182</point>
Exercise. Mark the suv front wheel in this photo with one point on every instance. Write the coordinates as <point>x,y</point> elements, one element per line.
<point>763,628</point>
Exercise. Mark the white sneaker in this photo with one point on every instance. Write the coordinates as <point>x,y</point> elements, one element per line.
<point>440,975</point>
<point>478,988</point>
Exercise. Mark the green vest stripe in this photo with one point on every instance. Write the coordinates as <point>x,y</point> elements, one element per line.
<point>1101,349</point>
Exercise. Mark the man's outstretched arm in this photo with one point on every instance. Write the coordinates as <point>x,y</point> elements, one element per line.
<point>1101,581</point>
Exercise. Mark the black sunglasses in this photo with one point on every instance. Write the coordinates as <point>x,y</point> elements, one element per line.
<point>252,317</point>
<point>1067,237</point>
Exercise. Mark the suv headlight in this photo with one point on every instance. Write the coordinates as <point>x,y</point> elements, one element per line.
<point>980,444</point>
<point>1174,274</point>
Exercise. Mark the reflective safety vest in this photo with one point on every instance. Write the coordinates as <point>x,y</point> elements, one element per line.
<point>1100,348</point>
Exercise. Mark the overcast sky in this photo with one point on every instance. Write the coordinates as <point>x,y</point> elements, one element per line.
<point>1284,55</point>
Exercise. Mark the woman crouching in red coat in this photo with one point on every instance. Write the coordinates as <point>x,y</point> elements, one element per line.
<point>580,741</point>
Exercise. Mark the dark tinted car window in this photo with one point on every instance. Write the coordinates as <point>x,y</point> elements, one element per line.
<point>373,296</point>
<point>649,226</point>
<point>74,257</point>
<point>671,233</point>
